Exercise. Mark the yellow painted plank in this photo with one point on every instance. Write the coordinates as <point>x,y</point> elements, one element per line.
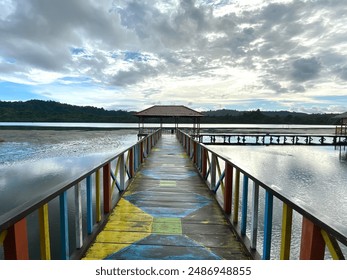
<point>129,226</point>
<point>128,217</point>
<point>120,236</point>
<point>102,250</point>
<point>164,183</point>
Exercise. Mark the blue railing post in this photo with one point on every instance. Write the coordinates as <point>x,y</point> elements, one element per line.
<point>267,225</point>
<point>89,205</point>
<point>229,170</point>
<point>64,227</point>
<point>78,216</point>
<point>254,222</point>
<point>244,205</point>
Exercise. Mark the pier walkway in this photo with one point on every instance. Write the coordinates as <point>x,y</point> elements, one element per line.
<point>167,213</point>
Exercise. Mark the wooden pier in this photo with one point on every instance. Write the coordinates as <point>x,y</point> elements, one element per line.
<point>166,197</point>
<point>272,139</point>
<point>167,213</point>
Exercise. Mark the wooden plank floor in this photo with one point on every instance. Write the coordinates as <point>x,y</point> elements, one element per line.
<point>167,213</point>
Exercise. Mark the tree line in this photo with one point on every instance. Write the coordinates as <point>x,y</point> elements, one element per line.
<point>52,111</point>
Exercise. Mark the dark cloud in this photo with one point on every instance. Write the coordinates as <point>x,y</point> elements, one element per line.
<point>305,69</point>
<point>136,74</point>
<point>41,33</point>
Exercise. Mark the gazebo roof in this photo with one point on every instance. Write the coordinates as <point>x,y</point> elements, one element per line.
<point>169,111</point>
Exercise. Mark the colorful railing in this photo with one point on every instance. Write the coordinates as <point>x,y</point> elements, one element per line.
<point>102,187</point>
<point>232,186</point>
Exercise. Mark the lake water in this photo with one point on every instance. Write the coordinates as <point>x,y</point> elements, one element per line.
<point>315,177</point>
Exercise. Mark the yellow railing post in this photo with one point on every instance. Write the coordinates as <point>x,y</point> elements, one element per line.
<point>3,236</point>
<point>45,245</point>
<point>287,214</point>
<point>333,246</point>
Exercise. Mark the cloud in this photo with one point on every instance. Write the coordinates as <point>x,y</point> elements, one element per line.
<point>305,69</point>
<point>201,52</point>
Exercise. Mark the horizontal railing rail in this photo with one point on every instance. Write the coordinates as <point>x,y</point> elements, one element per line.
<point>240,201</point>
<point>100,190</point>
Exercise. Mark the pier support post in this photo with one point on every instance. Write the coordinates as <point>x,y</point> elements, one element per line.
<point>312,243</point>
<point>16,242</point>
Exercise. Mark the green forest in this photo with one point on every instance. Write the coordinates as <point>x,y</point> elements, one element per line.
<point>52,111</point>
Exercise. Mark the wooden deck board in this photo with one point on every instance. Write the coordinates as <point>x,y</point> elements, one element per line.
<point>167,212</point>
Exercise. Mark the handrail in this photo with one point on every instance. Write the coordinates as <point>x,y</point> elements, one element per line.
<point>316,234</point>
<point>107,185</point>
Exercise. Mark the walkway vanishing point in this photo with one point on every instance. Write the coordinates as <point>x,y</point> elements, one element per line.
<point>167,213</point>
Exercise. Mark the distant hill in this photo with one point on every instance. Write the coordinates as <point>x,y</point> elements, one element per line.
<point>52,111</point>
<point>267,117</point>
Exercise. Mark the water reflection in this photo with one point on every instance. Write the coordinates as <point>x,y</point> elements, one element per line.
<point>35,163</point>
<point>315,178</point>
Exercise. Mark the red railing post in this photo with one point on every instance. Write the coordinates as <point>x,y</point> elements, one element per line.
<point>107,190</point>
<point>141,152</point>
<point>312,243</point>
<point>131,162</point>
<point>188,146</point>
<point>16,242</point>
<point>195,152</point>
<point>204,162</point>
<point>228,187</point>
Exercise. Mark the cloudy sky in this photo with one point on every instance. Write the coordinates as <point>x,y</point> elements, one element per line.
<point>131,54</point>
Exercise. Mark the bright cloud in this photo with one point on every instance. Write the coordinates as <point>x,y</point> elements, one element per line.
<point>277,55</point>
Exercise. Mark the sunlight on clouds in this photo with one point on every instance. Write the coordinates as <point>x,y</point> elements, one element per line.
<point>202,52</point>
<point>222,85</point>
<point>43,77</point>
<point>213,36</point>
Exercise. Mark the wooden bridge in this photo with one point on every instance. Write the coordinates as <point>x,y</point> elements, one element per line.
<point>167,213</point>
<point>162,200</point>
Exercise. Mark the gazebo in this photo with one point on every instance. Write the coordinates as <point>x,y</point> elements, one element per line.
<point>171,112</point>
<point>341,128</point>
